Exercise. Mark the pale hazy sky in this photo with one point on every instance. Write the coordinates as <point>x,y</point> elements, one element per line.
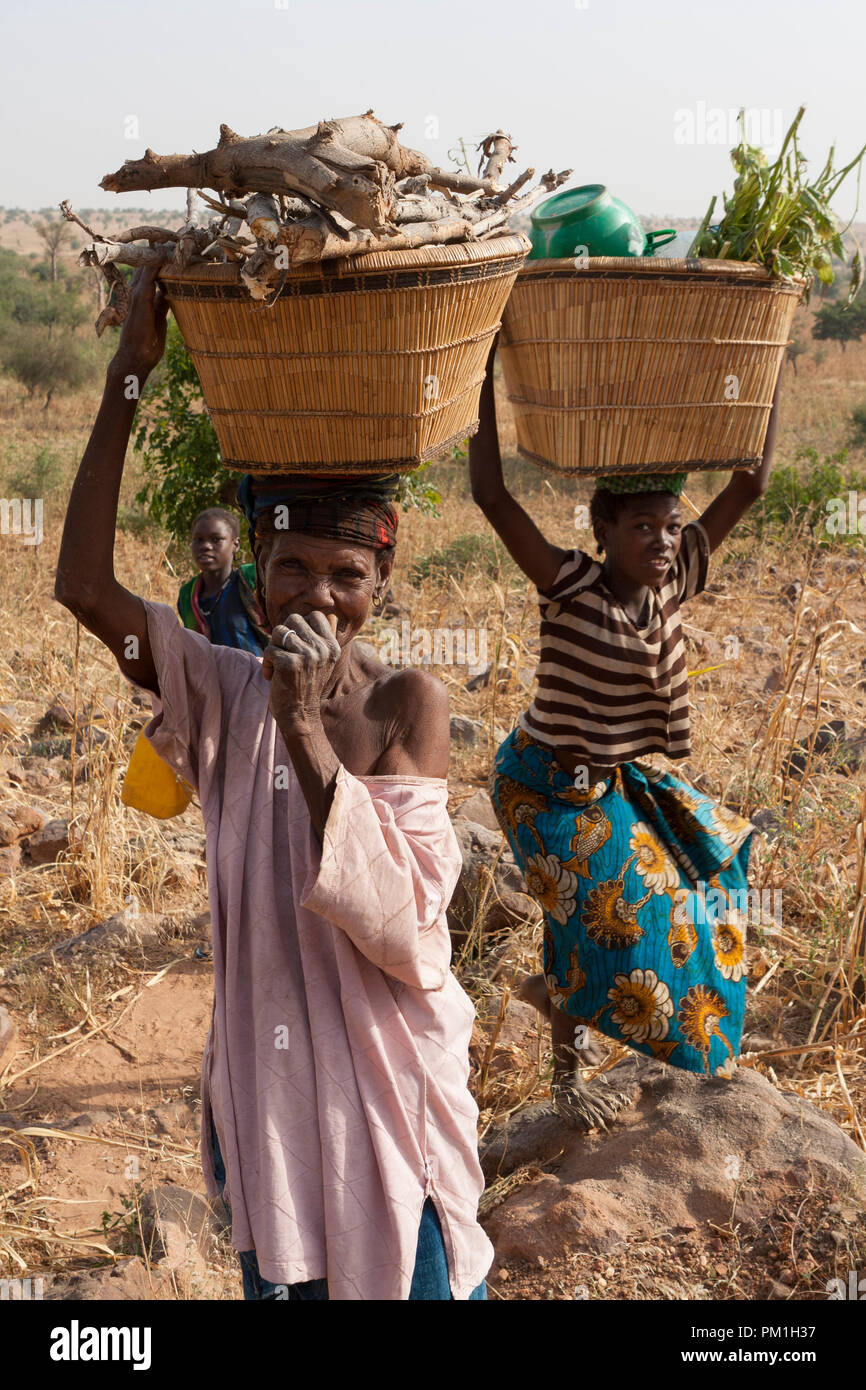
<point>591,84</point>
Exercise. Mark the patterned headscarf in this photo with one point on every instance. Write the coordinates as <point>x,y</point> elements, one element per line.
<point>345,507</point>
<point>644,482</point>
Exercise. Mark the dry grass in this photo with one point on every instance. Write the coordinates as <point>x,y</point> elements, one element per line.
<point>807,974</point>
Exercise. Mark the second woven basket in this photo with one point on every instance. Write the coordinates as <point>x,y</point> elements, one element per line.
<point>644,365</point>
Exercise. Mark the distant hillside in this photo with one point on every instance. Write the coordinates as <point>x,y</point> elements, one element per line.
<point>18,226</point>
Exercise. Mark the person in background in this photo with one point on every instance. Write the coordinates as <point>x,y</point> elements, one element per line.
<point>221,601</point>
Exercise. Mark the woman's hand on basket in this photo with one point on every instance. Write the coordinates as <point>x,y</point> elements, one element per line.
<point>142,338</point>
<point>299,662</point>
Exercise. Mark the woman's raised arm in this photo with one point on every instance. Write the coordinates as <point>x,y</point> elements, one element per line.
<point>539,560</point>
<point>745,487</point>
<point>85,582</point>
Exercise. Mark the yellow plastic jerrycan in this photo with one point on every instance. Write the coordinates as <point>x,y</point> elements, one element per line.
<point>151,785</point>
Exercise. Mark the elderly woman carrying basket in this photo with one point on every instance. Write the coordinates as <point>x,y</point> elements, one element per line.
<point>335,1106</point>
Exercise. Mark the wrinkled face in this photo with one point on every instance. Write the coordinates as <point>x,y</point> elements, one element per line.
<point>213,544</point>
<point>301,573</point>
<point>645,539</point>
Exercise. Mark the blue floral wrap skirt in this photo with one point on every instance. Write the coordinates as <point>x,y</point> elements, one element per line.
<point>642,880</point>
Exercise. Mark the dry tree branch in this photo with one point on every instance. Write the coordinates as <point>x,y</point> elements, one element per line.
<point>413,208</point>
<point>498,149</point>
<point>350,165</point>
<point>549,182</point>
<point>339,188</point>
<point>115,311</point>
<point>514,188</point>
<point>71,216</point>
<point>231,207</point>
<point>458,182</point>
<point>110,252</point>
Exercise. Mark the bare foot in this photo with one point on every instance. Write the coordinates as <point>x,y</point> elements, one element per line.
<point>533,990</point>
<point>587,1105</point>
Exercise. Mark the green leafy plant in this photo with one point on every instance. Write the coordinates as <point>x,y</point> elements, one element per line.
<point>778,218</point>
<point>36,478</point>
<point>28,296</point>
<point>40,310</point>
<point>415,491</point>
<point>799,497</point>
<point>178,443</point>
<point>126,1223</point>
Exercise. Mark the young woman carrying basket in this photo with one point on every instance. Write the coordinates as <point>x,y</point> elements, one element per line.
<point>639,874</point>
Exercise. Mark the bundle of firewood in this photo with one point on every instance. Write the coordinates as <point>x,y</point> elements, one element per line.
<point>290,197</point>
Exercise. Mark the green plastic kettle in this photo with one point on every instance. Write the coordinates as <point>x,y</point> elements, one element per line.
<point>589,221</point>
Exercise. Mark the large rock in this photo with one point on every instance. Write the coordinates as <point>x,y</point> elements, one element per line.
<point>465,732</point>
<point>174,1118</point>
<point>834,738</point>
<point>48,843</point>
<point>60,714</point>
<point>18,821</point>
<point>179,1228</point>
<point>490,882</point>
<point>479,809</point>
<point>676,1159</point>
<point>482,679</point>
<point>37,772</point>
<point>505,675</point>
<point>471,733</point>
<point>183,869</point>
<point>8,831</point>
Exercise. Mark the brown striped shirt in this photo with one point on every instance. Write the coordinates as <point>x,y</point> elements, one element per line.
<point>608,690</point>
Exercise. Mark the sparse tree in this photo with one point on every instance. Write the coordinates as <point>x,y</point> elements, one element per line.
<point>56,234</point>
<point>840,325</point>
<point>55,366</point>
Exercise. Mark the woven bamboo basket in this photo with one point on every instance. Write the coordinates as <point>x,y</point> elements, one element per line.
<point>366,364</point>
<point>644,365</point>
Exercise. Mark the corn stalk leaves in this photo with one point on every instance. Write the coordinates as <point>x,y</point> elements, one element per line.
<point>777,218</point>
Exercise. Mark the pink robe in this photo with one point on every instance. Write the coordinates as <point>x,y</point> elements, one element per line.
<point>336,1066</point>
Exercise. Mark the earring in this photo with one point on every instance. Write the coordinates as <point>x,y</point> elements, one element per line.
<point>378,600</point>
